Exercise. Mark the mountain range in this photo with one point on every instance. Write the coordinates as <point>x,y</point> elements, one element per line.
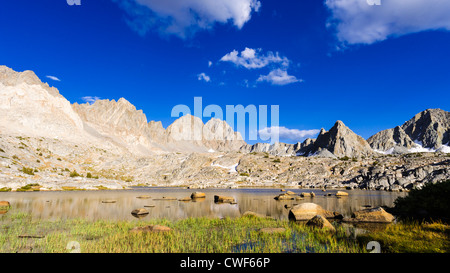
<point>46,140</point>
<point>33,108</point>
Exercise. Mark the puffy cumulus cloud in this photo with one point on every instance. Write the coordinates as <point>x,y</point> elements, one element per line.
<point>278,77</point>
<point>276,132</point>
<point>203,77</point>
<point>185,17</point>
<point>252,59</point>
<point>362,22</point>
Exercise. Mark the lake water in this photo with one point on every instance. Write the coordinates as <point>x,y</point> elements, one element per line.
<point>90,204</point>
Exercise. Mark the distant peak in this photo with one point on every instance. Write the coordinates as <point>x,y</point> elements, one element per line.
<point>339,123</point>
<point>123,101</point>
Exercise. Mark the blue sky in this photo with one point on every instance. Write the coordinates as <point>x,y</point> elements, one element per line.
<point>371,66</point>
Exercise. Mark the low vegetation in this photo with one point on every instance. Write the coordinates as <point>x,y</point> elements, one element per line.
<point>192,235</point>
<point>29,171</point>
<point>74,174</point>
<point>29,187</point>
<point>429,203</point>
<point>412,237</point>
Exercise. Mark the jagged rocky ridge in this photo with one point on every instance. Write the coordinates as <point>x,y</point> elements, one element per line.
<point>427,131</point>
<point>113,141</point>
<point>339,141</point>
<point>30,107</point>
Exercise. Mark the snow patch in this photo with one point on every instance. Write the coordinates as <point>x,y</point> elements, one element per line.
<point>231,169</point>
<point>420,149</point>
<point>387,152</point>
<point>444,149</point>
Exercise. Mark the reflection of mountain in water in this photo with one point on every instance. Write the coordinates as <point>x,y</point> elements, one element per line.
<point>88,205</point>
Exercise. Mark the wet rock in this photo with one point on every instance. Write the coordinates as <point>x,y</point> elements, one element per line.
<point>109,201</point>
<point>341,193</point>
<point>198,195</point>
<point>223,199</point>
<point>284,197</point>
<point>140,212</point>
<point>144,197</point>
<point>307,194</point>
<point>291,193</point>
<point>319,221</point>
<point>372,215</point>
<point>185,199</point>
<point>306,211</point>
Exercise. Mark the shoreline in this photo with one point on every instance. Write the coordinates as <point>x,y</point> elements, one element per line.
<point>36,187</point>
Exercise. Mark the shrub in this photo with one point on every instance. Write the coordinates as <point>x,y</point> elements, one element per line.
<point>74,174</point>
<point>29,187</point>
<point>345,158</point>
<point>89,175</point>
<point>276,160</point>
<point>430,202</point>
<point>29,171</point>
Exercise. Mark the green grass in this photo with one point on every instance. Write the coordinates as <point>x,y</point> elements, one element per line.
<point>5,189</point>
<point>213,235</point>
<point>29,171</point>
<point>192,235</point>
<point>412,237</point>
<point>29,187</point>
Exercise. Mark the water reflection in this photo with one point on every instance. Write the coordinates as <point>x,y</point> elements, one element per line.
<point>117,205</point>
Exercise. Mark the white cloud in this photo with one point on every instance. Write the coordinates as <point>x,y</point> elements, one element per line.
<point>90,99</point>
<point>53,78</point>
<point>185,17</point>
<point>278,77</point>
<point>203,77</point>
<point>210,63</point>
<point>252,59</point>
<point>286,133</point>
<point>357,22</point>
